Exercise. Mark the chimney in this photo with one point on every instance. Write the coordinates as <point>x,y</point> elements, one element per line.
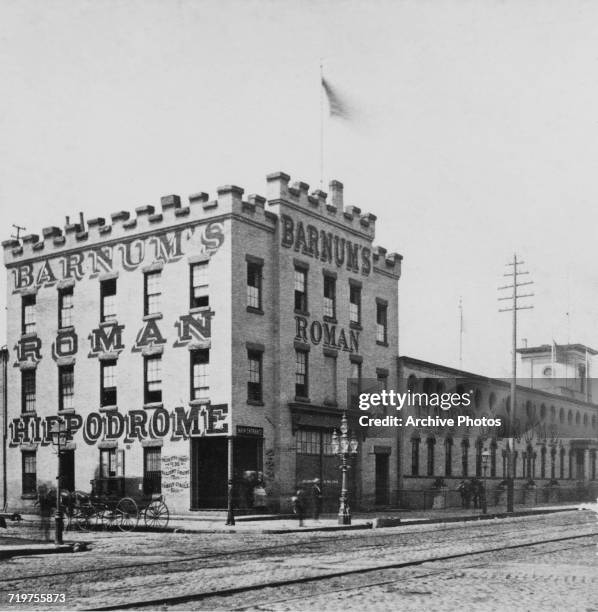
<point>336,192</point>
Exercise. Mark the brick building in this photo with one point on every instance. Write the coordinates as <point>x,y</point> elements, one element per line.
<point>555,429</point>
<point>187,344</point>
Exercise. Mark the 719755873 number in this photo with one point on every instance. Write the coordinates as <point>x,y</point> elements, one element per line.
<point>22,598</point>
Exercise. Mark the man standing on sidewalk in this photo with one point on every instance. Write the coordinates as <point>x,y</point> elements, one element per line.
<point>316,493</point>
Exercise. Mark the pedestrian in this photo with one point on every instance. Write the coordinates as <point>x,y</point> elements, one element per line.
<point>462,491</point>
<point>316,493</point>
<point>299,505</point>
<point>44,500</point>
<point>475,492</point>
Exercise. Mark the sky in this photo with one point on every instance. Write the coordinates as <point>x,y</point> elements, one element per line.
<point>473,136</point>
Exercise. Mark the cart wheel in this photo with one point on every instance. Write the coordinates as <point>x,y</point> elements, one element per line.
<point>83,516</point>
<point>156,515</point>
<point>127,514</point>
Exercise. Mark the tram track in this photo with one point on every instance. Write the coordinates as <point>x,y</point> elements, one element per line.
<point>378,583</point>
<point>323,576</point>
<point>311,546</point>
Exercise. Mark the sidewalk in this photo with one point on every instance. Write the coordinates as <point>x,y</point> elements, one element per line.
<point>27,532</point>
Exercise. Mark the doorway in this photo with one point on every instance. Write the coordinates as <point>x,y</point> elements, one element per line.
<point>381,479</point>
<point>209,472</point>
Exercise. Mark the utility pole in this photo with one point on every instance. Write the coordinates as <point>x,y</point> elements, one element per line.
<point>515,273</point>
<point>460,333</point>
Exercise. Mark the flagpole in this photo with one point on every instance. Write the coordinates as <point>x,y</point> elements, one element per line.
<point>321,125</point>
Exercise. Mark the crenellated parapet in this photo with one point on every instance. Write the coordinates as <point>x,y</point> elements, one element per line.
<point>281,190</point>
<point>148,219</point>
<point>171,214</point>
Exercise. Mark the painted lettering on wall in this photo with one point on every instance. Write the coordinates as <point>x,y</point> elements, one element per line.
<point>28,348</point>
<point>196,327</point>
<point>167,247</point>
<point>327,333</point>
<point>106,339</point>
<point>324,245</point>
<point>179,423</point>
<point>66,344</point>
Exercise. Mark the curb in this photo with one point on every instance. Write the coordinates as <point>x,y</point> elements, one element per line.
<point>395,522</point>
<point>361,526</point>
<point>39,549</point>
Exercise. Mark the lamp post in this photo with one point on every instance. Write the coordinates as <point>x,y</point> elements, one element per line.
<point>60,436</point>
<point>485,459</point>
<point>344,446</point>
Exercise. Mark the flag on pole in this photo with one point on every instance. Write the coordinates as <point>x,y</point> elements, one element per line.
<point>336,105</point>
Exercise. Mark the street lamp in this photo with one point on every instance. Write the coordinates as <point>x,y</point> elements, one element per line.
<point>344,446</point>
<point>60,436</point>
<point>485,459</point>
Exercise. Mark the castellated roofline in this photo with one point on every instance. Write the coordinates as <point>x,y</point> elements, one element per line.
<point>171,214</point>
<point>280,188</point>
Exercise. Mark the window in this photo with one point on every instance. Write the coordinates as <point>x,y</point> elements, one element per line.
<point>108,463</point>
<point>28,390</point>
<point>448,457</point>
<point>308,442</point>
<point>152,292</point>
<point>331,378</point>
<point>254,383</point>
<point>543,463</point>
<point>479,449</point>
<point>200,381</point>
<point>108,300</point>
<point>464,457</point>
<point>254,285</point>
<point>108,383</point>
<point>300,289</point>
<point>493,447</point>
<point>355,383</point>
<point>29,473</point>
<point>415,456</point>
<point>152,470</point>
<point>301,371</point>
<point>153,379</point>
<point>66,387</point>
<point>199,285</point>
<point>381,323</point>
<point>355,304</point>
<point>28,314</point>
<point>65,307</point>
<point>431,444</point>
<point>329,297</point>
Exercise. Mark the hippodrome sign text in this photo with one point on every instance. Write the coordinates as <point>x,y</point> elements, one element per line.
<point>139,425</point>
<point>166,247</point>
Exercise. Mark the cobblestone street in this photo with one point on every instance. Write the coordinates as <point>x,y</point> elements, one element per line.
<point>412,567</point>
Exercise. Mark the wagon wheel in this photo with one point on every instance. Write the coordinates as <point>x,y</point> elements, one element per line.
<point>156,515</point>
<point>80,516</point>
<point>127,514</point>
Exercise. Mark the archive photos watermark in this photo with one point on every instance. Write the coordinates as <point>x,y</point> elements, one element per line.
<point>547,407</point>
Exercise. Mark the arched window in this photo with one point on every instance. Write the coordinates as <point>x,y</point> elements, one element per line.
<point>585,420</point>
<point>528,410</point>
<point>553,463</point>
<point>577,418</point>
<point>477,398</point>
<point>492,400</point>
<point>542,411</point>
<point>543,462</point>
<point>412,383</point>
<point>479,447</point>
<point>562,415</point>
<point>562,464</point>
<point>569,417</point>
<point>493,447</point>
<point>415,456</point>
<point>464,457</point>
<point>448,457</point>
<point>552,414</point>
<point>594,422</point>
<point>431,442</point>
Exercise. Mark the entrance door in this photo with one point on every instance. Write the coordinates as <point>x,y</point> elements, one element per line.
<point>67,470</point>
<point>381,480</point>
<point>580,465</point>
<point>209,472</point>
